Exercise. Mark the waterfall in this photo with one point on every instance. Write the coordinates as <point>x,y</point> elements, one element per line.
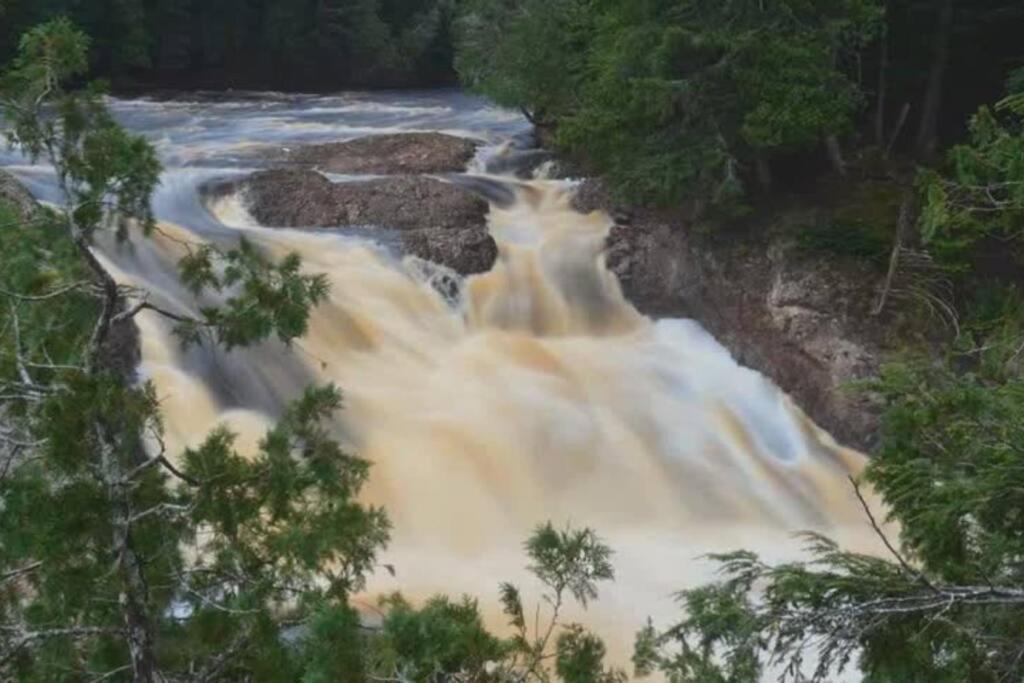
<point>532,392</point>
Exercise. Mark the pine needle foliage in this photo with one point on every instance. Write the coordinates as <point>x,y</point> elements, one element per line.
<point>979,194</point>
<point>118,559</point>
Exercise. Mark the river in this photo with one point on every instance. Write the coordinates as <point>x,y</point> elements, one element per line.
<point>536,393</point>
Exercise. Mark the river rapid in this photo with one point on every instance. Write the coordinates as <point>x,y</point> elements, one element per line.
<point>536,392</point>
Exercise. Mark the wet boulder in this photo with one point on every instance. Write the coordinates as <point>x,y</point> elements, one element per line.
<point>15,196</point>
<point>394,154</point>
<point>291,198</point>
<point>438,221</point>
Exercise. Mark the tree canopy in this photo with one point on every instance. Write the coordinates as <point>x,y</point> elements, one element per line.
<point>690,100</point>
<point>257,44</point>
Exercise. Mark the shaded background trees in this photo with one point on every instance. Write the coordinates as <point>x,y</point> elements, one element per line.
<point>282,44</point>
<point>693,99</point>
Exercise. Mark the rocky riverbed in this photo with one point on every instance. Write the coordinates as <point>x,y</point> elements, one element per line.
<point>806,323</point>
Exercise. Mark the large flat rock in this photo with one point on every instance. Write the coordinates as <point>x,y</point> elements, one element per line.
<point>440,222</point>
<point>393,154</point>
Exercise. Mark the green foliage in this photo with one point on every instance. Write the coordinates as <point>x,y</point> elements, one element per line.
<point>579,658</point>
<point>446,640</point>
<point>718,642</point>
<point>280,529</point>
<point>569,563</point>
<point>673,100</point>
<point>288,514</point>
<point>37,262</point>
<point>441,640</point>
<point>104,172</point>
<point>852,238</point>
<point>256,43</point>
<point>269,298</point>
<point>334,649</point>
<point>952,458</point>
<point>115,562</point>
<point>981,194</point>
<point>527,55</point>
<point>573,560</point>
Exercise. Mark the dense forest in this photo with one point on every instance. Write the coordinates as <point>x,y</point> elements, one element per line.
<point>705,100</point>
<point>255,44</point>
<point>701,107</point>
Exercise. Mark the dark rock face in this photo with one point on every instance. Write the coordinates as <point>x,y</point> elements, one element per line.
<point>14,194</point>
<point>804,322</point>
<point>439,221</point>
<point>467,251</point>
<point>306,199</point>
<point>401,153</point>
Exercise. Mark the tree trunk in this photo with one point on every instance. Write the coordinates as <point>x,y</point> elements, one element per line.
<point>764,172</point>
<point>133,599</point>
<point>883,74</point>
<point>835,154</point>
<point>134,594</point>
<point>908,214</point>
<point>900,122</point>
<point>138,629</point>
<point>928,130</point>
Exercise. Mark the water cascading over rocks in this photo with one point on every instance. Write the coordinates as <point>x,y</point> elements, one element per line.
<point>530,392</point>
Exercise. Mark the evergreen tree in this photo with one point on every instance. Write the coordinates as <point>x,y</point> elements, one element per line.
<point>117,559</point>
<point>445,640</point>
<point>673,99</point>
<point>980,194</point>
<point>315,44</point>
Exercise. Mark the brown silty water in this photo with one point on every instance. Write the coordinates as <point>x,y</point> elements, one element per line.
<point>538,393</point>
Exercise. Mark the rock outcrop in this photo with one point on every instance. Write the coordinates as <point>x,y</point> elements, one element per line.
<point>397,154</point>
<point>438,221</point>
<point>803,321</point>
<point>14,194</point>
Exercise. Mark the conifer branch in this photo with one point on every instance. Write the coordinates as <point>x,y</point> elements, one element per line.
<point>881,534</point>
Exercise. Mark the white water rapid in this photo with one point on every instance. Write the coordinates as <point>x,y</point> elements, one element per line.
<point>540,394</point>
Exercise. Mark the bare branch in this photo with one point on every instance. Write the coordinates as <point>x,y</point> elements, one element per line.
<point>50,295</point>
<point>19,360</point>
<point>878,530</point>
<point>16,573</point>
<point>161,509</point>
<point>24,638</point>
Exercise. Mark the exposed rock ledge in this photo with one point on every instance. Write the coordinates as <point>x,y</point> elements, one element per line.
<point>14,194</point>
<point>802,321</point>
<point>400,153</point>
<point>805,322</point>
<point>439,222</point>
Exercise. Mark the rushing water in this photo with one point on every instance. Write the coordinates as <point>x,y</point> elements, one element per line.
<point>538,393</point>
